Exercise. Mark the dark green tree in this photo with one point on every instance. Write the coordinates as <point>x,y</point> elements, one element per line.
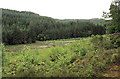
<point>115,15</point>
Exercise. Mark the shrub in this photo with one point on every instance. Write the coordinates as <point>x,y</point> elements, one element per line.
<point>42,37</point>
<point>82,52</point>
<point>115,39</point>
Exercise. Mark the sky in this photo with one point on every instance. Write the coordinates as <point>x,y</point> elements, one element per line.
<point>60,9</point>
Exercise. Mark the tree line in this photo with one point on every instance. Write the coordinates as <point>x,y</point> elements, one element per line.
<point>20,27</point>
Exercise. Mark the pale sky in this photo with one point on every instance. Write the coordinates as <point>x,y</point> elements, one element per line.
<point>60,9</point>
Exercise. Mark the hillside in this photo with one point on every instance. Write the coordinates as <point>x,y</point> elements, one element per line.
<point>21,27</point>
<point>93,56</point>
<point>95,21</point>
<point>36,46</point>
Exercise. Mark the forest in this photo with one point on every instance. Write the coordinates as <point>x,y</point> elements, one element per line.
<point>27,27</point>
<point>41,46</point>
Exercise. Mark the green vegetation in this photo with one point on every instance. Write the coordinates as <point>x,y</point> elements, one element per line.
<point>27,27</point>
<point>115,14</point>
<point>86,57</point>
<point>39,46</point>
<point>113,25</point>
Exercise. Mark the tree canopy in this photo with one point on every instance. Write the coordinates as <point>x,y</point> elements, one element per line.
<point>27,27</point>
<point>114,27</point>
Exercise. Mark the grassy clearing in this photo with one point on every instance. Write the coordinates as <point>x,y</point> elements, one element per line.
<point>87,57</point>
<point>40,44</point>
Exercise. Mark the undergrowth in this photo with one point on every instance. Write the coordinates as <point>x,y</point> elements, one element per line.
<point>87,57</point>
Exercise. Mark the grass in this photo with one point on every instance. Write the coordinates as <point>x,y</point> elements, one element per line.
<point>40,44</point>
<point>87,57</point>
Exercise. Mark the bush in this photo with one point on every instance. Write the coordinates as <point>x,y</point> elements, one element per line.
<point>115,39</point>
<point>42,37</point>
<point>82,52</point>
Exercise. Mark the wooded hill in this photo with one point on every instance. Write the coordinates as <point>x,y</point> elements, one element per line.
<point>95,21</point>
<point>21,27</point>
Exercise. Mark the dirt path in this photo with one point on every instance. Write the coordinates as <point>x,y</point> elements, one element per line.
<point>49,44</point>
